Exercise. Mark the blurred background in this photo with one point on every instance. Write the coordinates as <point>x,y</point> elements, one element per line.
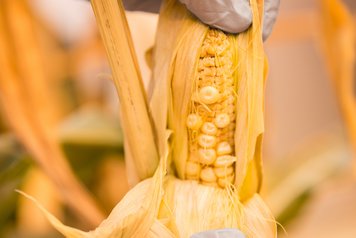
<point>59,116</point>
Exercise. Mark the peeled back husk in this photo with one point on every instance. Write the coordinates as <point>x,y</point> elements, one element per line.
<point>167,206</point>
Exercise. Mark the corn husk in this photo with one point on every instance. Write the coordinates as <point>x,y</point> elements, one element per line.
<point>166,205</point>
<point>185,208</point>
<point>185,36</point>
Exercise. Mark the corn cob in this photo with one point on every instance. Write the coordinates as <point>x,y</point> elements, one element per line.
<point>211,119</point>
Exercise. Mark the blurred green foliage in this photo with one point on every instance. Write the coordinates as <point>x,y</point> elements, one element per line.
<point>14,163</point>
<point>87,137</point>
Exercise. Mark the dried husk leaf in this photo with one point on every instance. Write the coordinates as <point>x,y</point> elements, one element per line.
<point>186,208</point>
<point>164,206</point>
<point>251,75</point>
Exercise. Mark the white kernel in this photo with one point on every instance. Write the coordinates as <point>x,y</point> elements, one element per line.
<point>222,120</point>
<point>192,169</point>
<point>206,141</point>
<point>224,182</point>
<point>209,128</point>
<point>224,161</point>
<point>221,172</point>
<point>208,175</point>
<point>223,148</point>
<point>207,156</point>
<point>194,121</point>
<point>209,95</point>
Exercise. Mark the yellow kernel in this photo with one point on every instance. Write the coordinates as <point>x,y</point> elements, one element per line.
<point>209,95</point>
<point>209,128</point>
<point>192,169</point>
<point>194,121</point>
<point>207,175</point>
<point>193,156</point>
<point>224,161</point>
<point>223,148</point>
<point>222,120</point>
<point>221,172</point>
<point>210,50</point>
<point>207,156</point>
<point>206,141</point>
<point>224,182</point>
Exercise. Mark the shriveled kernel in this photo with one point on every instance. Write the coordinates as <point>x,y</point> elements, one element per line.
<point>209,95</point>
<point>207,50</point>
<point>222,61</point>
<point>224,161</point>
<point>194,121</point>
<point>224,182</point>
<point>207,156</point>
<point>209,128</point>
<point>207,175</point>
<point>222,120</point>
<point>213,50</point>
<point>211,71</point>
<point>223,148</point>
<point>192,169</point>
<point>221,172</point>
<point>205,80</point>
<point>208,62</point>
<point>206,141</point>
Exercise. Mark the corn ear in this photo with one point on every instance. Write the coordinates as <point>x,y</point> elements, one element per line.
<point>174,79</point>
<point>169,204</point>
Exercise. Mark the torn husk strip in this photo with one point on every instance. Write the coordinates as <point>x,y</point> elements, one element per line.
<point>135,120</point>
<point>22,94</point>
<point>338,41</point>
<point>167,206</point>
